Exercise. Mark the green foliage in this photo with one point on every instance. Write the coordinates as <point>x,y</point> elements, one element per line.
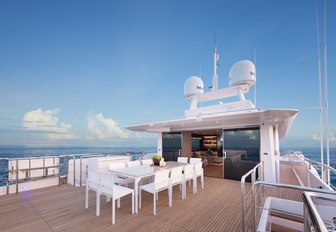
<point>156,157</point>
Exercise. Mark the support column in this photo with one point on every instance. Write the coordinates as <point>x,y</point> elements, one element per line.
<point>159,144</point>
<point>186,144</point>
<point>276,151</point>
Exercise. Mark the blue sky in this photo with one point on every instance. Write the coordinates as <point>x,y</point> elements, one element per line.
<point>74,73</point>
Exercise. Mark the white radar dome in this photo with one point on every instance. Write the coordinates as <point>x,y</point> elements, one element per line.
<point>193,86</point>
<point>242,72</point>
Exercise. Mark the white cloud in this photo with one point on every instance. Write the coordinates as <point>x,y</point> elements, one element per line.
<point>105,128</point>
<point>315,137</point>
<point>332,137</point>
<point>46,121</point>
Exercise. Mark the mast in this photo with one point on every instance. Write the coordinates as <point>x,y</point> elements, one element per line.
<point>215,76</point>
<point>255,86</point>
<point>320,89</point>
<point>326,89</point>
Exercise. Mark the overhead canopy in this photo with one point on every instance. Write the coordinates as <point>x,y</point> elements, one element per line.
<point>281,117</point>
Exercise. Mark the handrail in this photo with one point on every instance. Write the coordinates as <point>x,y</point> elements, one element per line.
<point>294,187</point>
<point>251,173</point>
<point>311,211</point>
<point>324,167</point>
<point>28,169</point>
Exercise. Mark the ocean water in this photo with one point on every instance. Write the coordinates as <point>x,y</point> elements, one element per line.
<point>19,152</point>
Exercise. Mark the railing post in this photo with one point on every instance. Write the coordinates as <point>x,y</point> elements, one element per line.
<point>243,203</point>
<point>17,176</point>
<point>253,177</point>
<point>306,226</point>
<point>324,175</point>
<point>74,179</point>
<point>308,174</point>
<point>255,208</point>
<point>29,172</point>
<point>80,171</point>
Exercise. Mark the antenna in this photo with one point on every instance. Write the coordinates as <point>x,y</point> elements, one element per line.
<point>325,69</point>
<point>320,87</point>
<point>216,59</point>
<point>255,85</point>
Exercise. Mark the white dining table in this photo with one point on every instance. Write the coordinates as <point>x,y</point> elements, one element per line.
<point>142,171</point>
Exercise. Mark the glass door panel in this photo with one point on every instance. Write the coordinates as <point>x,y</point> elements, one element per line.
<point>171,146</point>
<point>241,151</point>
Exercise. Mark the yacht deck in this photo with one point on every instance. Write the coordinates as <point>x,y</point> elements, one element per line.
<point>215,208</point>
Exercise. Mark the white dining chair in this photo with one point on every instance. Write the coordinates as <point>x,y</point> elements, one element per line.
<point>161,182</point>
<point>133,163</point>
<point>188,175</point>
<point>176,178</point>
<point>182,160</point>
<point>198,173</point>
<point>92,183</point>
<point>114,191</point>
<point>195,160</point>
<point>147,162</point>
<point>120,179</point>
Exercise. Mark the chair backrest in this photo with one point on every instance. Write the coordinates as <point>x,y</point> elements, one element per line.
<point>147,162</point>
<point>176,174</point>
<point>161,179</point>
<point>93,179</point>
<point>198,167</point>
<point>133,163</point>
<point>189,171</point>
<point>107,183</point>
<point>195,160</point>
<point>117,165</point>
<point>182,160</point>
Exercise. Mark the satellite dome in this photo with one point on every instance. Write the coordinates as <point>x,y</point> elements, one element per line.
<point>242,72</point>
<point>193,86</point>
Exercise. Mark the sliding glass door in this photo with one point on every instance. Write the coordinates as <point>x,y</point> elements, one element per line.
<point>242,151</point>
<point>171,146</point>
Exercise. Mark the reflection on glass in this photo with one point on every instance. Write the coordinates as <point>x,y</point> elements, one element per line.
<point>171,145</point>
<point>242,147</point>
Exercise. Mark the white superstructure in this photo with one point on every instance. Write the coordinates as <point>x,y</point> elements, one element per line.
<point>242,113</point>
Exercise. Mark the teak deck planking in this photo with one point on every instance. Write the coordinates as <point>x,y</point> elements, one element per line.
<point>61,208</point>
<point>215,208</point>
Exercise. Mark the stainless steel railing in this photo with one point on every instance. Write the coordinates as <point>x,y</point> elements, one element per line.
<point>323,167</point>
<point>16,174</point>
<point>312,217</point>
<point>256,174</point>
<point>259,184</point>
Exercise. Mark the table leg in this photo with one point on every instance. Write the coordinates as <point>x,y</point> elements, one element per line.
<point>136,191</point>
